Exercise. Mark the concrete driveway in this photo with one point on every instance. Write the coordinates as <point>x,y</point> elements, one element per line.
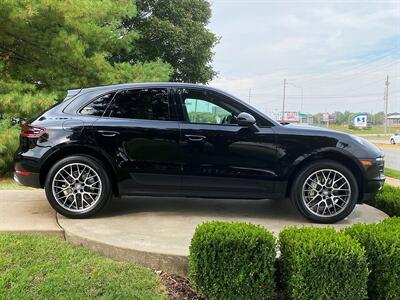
<point>155,232</point>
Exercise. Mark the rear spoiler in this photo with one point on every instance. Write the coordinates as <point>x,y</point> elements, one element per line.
<point>72,93</point>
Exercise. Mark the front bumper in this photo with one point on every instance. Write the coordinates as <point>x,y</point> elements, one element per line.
<point>375,178</point>
<point>373,186</point>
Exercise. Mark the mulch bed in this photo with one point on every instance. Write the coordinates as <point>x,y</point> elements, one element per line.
<point>178,287</point>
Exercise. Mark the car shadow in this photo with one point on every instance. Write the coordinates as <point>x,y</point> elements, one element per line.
<point>265,208</point>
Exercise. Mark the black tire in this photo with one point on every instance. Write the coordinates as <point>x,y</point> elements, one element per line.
<point>392,141</point>
<point>301,177</point>
<point>104,195</point>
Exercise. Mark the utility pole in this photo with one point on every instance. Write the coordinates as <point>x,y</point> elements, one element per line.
<point>249,95</point>
<point>284,99</point>
<point>301,106</point>
<point>386,100</point>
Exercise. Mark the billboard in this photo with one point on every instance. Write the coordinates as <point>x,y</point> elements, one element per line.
<point>326,117</point>
<point>361,120</point>
<point>290,116</point>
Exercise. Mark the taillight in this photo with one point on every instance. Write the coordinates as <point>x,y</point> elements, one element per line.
<point>32,131</point>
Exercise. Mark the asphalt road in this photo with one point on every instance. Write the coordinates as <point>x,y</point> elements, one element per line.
<point>392,157</point>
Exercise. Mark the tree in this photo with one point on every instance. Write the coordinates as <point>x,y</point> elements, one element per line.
<point>174,31</point>
<point>49,46</point>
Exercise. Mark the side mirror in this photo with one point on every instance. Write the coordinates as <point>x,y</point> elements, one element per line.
<point>245,119</point>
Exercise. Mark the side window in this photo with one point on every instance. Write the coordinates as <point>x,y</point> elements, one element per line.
<point>206,107</point>
<point>147,104</point>
<point>98,106</point>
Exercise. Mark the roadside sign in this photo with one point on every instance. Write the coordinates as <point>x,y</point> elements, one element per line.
<point>361,120</point>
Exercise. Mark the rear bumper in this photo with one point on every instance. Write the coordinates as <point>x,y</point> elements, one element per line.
<point>31,179</point>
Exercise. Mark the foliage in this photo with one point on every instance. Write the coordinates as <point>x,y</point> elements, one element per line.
<point>388,200</point>
<point>232,261</point>
<point>382,246</point>
<point>8,144</point>
<point>320,263</point>
<point>38,267</point>
<point>49,46</point>
<point>174,31</point>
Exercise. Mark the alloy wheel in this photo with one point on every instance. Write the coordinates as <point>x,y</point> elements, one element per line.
<point>77,187</point>
<point>326,193</point>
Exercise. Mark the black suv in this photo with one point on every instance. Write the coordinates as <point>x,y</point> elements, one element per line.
<point>174,139</point>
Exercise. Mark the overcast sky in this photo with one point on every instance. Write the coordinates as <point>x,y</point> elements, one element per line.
<point>339,52</point>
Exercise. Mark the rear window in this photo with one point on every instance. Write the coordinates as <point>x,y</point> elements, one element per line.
<point>98,106</point>
<point>145,104</point>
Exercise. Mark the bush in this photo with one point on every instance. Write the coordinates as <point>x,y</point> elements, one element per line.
<point>320,263</point>
<point>232,261</point>
<point>388,200</point>
<point>382,246</point>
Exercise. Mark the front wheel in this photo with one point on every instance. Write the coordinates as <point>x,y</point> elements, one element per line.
<point>325,192</point>
<point>78,186</point>
<point>392,141</point>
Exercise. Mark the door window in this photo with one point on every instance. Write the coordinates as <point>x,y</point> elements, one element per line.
<point>146,104</point>
<point>206,107</point>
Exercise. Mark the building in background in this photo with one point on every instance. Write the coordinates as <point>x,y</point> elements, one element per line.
<point>393,120</point>
<point>294,117</point>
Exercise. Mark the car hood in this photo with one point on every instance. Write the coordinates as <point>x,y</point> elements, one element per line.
<point>359,146</point>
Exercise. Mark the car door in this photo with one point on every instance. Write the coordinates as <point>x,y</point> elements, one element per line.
<point>140,133</point>
<point>221,158</point>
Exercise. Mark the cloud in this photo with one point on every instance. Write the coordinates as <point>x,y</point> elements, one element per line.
<point>339,52</point>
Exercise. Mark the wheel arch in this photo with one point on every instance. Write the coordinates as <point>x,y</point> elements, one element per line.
<point>65,151</point>
<point>351,163</point>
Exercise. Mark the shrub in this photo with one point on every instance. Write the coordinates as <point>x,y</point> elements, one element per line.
<point>320,263</point>
<point>232,261</point>
<point>388,200</point>
<point>382,246</point>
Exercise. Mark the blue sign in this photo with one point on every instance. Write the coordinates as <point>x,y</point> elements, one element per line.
<point>361,120</point>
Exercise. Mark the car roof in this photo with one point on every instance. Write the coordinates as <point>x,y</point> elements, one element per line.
<point>148,85</point>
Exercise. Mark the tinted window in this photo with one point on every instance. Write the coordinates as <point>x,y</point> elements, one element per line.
<point>148,104</point>
<point>98,106</point>
<point>201,111</point>
<point>207,107</point>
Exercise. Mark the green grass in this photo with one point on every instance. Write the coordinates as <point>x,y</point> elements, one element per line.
<point>9,184</point>
<point>40,267</point>
<point>392,173</point>
<point>372,130</point>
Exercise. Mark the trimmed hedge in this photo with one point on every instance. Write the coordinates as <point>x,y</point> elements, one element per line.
<point>388,200</point>
<point>382,246</point>
<point>320,263</point>
<point>232,261</point>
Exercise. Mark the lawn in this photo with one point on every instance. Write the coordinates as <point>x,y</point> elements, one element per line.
<point>392,173</point>
<point>7,183</point>
<point>372,130</point>
<point>39,267</point>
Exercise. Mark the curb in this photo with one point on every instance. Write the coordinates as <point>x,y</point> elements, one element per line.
<point>169,263</point>
<point>388,146</point>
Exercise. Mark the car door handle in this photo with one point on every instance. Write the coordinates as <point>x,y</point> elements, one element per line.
<point>195,138</point>
<point>108,133</point>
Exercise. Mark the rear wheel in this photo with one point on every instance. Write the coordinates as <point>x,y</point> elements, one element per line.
<point>392,141</point>
<point>325,192</point>
<point>78,186</point>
